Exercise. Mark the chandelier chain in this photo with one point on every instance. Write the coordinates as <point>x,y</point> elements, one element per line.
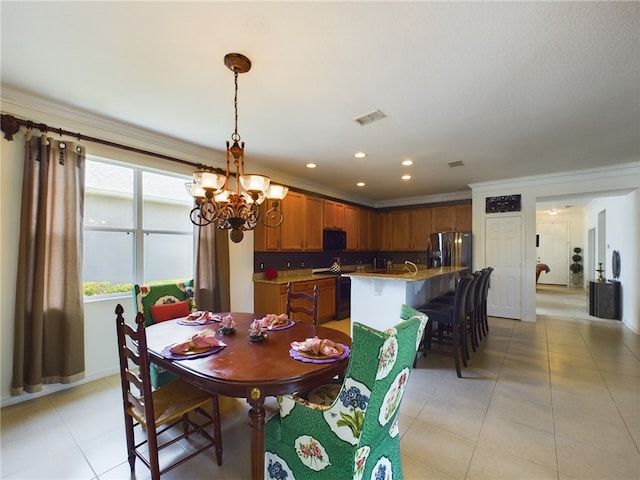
<point>235,136</point>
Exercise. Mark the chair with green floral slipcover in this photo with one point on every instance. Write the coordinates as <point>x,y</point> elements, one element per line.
<point>160,302</point>
<point>356,436</point>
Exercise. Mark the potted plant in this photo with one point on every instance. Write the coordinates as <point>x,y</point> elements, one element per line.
<point>576,268</point>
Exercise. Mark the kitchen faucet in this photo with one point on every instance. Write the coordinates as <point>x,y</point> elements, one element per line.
<point>407,262</point>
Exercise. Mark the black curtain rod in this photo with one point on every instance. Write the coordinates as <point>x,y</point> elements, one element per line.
<point>11,125</point>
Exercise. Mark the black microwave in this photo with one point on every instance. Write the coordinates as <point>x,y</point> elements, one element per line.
<point>334,240</point>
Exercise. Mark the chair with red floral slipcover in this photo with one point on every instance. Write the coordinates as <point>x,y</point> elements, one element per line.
<point>356,436</point>
<point>160,302</point>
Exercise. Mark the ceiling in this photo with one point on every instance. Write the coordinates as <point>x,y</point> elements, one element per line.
<point>509,89</point>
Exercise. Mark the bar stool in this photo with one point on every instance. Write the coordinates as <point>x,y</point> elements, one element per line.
<point>450,319</point>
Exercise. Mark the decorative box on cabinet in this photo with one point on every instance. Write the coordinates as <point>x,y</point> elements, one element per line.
<point>604,300</point>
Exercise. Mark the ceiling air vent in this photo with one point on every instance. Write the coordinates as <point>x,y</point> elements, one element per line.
<point>370,117</point>
<point>457,163</point>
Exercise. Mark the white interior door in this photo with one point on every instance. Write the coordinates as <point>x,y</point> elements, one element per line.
<point>504,253</point>
<point>553,250</point>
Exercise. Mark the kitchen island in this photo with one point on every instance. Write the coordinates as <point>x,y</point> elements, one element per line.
<point>377,295</point>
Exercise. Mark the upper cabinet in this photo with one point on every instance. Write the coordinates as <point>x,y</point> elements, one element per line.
<point>374,230</point>
<point>351,226</point>
<point>305,216</point>
<point>314,213</point>
<point>334,215</point>
<point>456,218</point>
<point>462,218</point>
<point>364,229</point>
<point>409,229</point>
<point>301,229</point>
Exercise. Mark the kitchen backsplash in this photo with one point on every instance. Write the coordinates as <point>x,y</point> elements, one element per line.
<point>300,260</point>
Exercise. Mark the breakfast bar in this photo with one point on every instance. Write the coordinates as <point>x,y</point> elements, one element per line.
<point>376,294</point>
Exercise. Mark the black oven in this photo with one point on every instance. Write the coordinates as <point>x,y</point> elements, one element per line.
<point>343,297</point>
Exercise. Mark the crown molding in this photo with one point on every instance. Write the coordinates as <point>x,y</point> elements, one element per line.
<point>591,174</point>
<point>23,104</point>
<point>427,199</point>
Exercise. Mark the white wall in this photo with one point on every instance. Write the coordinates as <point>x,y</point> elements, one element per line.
<point>100,353</point>
<point>577,234</point>
<point>622,179</point>
<point>622,235</point>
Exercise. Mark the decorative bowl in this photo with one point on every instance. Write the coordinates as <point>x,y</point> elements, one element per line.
<point>258,338</point>
<point>227,330</point>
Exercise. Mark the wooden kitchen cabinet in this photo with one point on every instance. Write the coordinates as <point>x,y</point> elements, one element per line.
<point>456,218</point>
<point>386,230</point>
<point>334,215</point>
<point>441,219</point>
<point>293,227</point>
<point>313,232</point>
<point>410,229</point>
<point>364,229</point>
<point>351,226</point>
<point>266,239</point>
<point>327,301</point>
<point>462,218</point>
<point>374,231</point>
<point>272,297</point>
<point>420,228</point>
<point>400,224</point>
<point>301,229</point>
<point>269,298</point>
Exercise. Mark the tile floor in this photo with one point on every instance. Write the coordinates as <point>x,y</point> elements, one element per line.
<point>556,399</point>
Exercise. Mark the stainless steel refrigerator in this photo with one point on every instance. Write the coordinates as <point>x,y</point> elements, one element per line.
<point>450,248</point>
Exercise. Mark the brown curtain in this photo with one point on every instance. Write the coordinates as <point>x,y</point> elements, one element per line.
<point>49,315</point>
<point>212,269</point>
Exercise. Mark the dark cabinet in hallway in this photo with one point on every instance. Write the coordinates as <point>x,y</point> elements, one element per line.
<point>604,300</point>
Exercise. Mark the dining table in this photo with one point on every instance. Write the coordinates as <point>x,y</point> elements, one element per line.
<point>248,369</point>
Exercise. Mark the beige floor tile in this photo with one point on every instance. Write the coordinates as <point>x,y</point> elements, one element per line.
<point>540,394</point>
<point>68,464</point>
<point>453,417</point>
<point>599,429</point>
<point>492,464</point>
<point>439,449</point>
<point>415,470</point>
<point>559,360</point>
<point>520,409</point>
<point>519,440</point>
<point>594,462</point>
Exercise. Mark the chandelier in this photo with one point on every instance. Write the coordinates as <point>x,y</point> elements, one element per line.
<point>236,210</point>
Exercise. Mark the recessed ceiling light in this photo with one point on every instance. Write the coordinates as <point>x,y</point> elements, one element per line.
<point>406,177</point>
<point>360,184</point>
<point>553,212</point>
<point>406,163</point>
<point>359,154</point>
<point>311,165</point>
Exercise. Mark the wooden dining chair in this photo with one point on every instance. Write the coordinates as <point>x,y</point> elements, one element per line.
<point>304,303</point>
<point>151,415</point>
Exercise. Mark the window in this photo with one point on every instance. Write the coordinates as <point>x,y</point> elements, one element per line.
<point>136,228</point>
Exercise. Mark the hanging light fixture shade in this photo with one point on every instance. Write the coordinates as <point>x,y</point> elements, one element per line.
<point>235,210</point>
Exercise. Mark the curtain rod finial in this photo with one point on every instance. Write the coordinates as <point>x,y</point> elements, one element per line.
<point>10,126</point>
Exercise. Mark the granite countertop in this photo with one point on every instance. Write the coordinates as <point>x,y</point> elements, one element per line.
<point>305,275</point>
<point>405,276</point>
